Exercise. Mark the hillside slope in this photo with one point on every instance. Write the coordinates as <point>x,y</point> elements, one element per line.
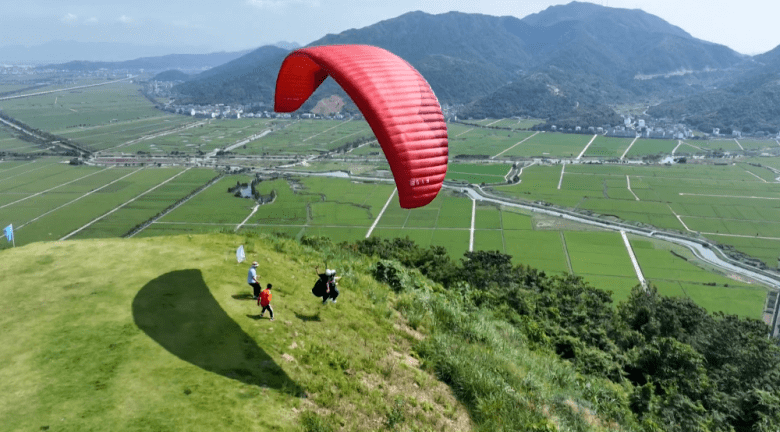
<point>159,334</point>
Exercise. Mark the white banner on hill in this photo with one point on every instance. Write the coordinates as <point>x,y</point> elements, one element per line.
<point>240,256</point>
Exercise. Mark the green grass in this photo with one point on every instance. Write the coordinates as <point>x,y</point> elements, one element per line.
<point>158,334</point>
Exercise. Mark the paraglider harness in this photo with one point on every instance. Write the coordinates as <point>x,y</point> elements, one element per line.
<point>325,284</point>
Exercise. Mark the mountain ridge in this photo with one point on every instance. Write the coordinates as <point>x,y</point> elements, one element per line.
<point>593,53</point>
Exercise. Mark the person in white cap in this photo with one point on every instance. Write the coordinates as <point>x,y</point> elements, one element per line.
<point>330,280</point>
<point>251,279</point>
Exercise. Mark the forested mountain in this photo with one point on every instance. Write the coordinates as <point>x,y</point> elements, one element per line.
<point>750,104</point>
<point>586,56</point>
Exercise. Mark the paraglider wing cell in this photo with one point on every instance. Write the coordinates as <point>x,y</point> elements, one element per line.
<point>396,101</point>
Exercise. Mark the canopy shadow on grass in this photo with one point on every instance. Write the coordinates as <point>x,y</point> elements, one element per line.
<point>178,312</point>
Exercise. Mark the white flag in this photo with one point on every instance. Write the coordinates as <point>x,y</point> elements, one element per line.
<point>240,254</point>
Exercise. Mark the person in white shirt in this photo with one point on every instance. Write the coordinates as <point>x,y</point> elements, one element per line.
<point>251,279</point>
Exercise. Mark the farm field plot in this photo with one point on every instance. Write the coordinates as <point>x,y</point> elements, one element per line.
<point>541,183</point>
<point>676,277</point>
<point>483,141</point>
<point>659,264</point>
<point>539,249</point>
<point>83,107</point>
<point>721,145</point>
<point>52,181</point>
<point>215,134</point>
<point>308,136</point>
<point>345,203</point>
<point>608,147</point>
<point>32,177</point>
<point>118,133</point>
<point>551,144</point>
<point>737,300</point>
<point>756,144</point>
<point>10,142</point>
<point>445,212</point>
<point>766,250</point>
<point>651,213</point>
<point>140,210</point>
<point>370,149</point>
<point>761,172</point>
<point>620,286</point>
<point>53,215</point>
<point>646,146</point>
<point>514,123</point>
<point>599,253</point>
<point>478,173</point>
<point>215,206</point>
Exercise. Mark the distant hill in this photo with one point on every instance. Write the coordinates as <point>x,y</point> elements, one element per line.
<point>593,55</point>
<point>172,75</point>
<point>65,51</point>
<point>251,77</point>
<point>161,63</point>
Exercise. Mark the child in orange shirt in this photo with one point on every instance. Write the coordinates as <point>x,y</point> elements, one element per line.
<point>264,300</point>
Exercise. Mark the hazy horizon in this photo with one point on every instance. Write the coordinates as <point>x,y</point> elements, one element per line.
<point>179,27</point>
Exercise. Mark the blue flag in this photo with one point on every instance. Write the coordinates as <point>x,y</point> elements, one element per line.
<point>9,232</point>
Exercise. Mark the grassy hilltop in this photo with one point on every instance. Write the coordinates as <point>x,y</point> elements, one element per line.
<point>159,334</point>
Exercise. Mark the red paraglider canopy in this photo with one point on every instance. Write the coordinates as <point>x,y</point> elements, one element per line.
<point>395,99</point>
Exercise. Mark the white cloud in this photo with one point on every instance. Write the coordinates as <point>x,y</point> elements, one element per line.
<point>280,4</point>
<point>126,19</point>
<point>69,18</point>
<point>92,20</point>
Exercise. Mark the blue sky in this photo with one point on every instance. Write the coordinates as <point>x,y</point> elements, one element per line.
<point>747,26</point>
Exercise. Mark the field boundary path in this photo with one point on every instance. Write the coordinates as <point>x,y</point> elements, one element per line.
<point>173,207</point>
<point>560,181</point>
<point>55,187</point>
<point>66,89</point>
<point>679,218</point>
<point>623,156</point>
<point>740,145</point>
<point>728,196</point>
<point>674,150</point>
<point>586,147</point>
<point>756,176</point>
<point>254,210</point>
<point>628,184</point>
<point>379,216</point>
<point>122,205</point>
<point>566,252</point>
<point>473,216</point>
<point>631,255</point>
<point>515,145</point>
